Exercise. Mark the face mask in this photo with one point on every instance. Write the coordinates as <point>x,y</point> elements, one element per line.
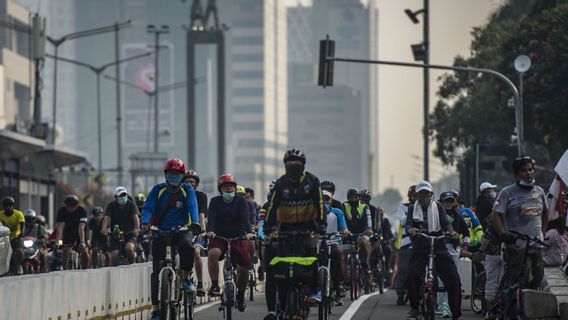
<point>492,194</point>
<point>294,171</point>
<point>174,180</point>
<point>354,203</point>
<point>228,195</point>
<point>526,185</point>
<point>424,200</point>
<point>8,211</point>
<point>327,206</point>
<point>122,200</point>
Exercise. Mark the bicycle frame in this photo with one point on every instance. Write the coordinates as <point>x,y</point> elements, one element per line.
<point>428,301</point>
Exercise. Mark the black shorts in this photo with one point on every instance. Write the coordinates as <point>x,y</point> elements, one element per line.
<point>115,245</point>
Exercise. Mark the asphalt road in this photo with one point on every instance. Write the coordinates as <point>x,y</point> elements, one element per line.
<point>374,306</point>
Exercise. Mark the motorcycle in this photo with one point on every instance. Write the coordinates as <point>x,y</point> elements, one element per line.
<point>31,255</point>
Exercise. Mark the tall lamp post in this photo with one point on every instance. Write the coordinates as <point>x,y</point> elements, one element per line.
<point>98,71</point>
<point>157,32</point>
<point>522,65</point>
<point>421,52</point>
<point>75,35</point>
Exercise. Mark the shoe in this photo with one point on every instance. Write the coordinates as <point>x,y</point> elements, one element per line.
<point>214,291</point>
<point>270,316</point>
<point>400,301</point>
<point>338,301</point>
<point>412,314</point>
<point>260,274</point>
<point>155,315</point>
<point>200,291</point>
<point>315,296</point>
<point>20,271</point>
<point>241,306</point>
<point>188,285</point>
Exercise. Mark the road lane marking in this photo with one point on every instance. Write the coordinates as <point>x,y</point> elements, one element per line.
<point>350,312</point>
<point>216,302</point>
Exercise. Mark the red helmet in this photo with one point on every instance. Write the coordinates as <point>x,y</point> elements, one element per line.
<point>226,178</point>
<point>175,164</point>
<point>192,174</point>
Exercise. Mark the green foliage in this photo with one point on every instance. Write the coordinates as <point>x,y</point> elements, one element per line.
<point>473,108</point>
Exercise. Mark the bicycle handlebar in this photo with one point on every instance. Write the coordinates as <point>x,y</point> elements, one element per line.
<point>429,237</point>
<point>528,238</point>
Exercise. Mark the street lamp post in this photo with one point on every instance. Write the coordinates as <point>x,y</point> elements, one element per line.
<point>425,57</point>
<point>98,71</point>
<point>59,41</point>
<point>157,32</point>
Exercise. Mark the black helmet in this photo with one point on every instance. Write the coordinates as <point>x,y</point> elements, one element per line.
<point>8,202</point>
<point>71,200</point>
<point>365,195</point>
<point>519,162</point>
<point>328,185</point>
<point>97,210</point>
<point>352,192</point>
<point>295,154</point>
<point>448,195</point>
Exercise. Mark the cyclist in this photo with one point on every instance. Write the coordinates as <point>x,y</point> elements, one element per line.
<point>450,201</point>
<point>429,216</point>
<point>376,250</point>
<point>146,242</point>
<point>261,238</point>
<point>35,229</point>
<point>473,225</point>
<point>296,205</point>
<point>404,247</point>
<point>70,230</point>
<point>491,247</point>
<point>330,186</point>
<point>241,192</point>
<point>249,194</point>
<point>14,220</point>
<point>228,217</point>
<point>199,244</point>
<point>335,223</point>
<point>358,217</point>
<point>485,202</point>
<point>522,207</point>
<point>95,238</point>
<point>123,214</point>
<point>171,205</point>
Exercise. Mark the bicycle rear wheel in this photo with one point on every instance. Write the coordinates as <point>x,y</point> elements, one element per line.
<point>478,294</point>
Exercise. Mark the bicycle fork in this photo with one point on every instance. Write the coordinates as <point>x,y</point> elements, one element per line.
<point>174,278</point>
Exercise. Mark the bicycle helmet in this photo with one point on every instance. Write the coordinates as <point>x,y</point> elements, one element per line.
<point>352,192</point>
<point>250,191</point>
<point>240,190</point>
<point>71,200</point>
<point>328,185</point>
<point>41,220</point>
<point>192,174</point>
<point>519,162</point>
<point>224,179</point>
<point>96,210</point>
<point>30,213</point>
<point>174,164</point>
<point>8,202</point>
<point>295,154</point>
<point>365,195</point>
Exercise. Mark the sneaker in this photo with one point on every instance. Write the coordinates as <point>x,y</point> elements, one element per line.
<point>400,301</point>
<point>270,316</point>
<point>412,314</point>
<point>20,270</point>
<point>200,291</point>
<point>155,315</point>
<point>315,296</point>
<point>214,291</point>
<point>188,285</point>
<point>338,301</point>
<point>241,306</point>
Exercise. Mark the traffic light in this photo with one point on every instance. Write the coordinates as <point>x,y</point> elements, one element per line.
<point>325,72</point>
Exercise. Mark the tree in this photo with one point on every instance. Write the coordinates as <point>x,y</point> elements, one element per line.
<point>473,108</point>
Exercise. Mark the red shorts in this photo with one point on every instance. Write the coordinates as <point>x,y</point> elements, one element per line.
<point>240,251</point>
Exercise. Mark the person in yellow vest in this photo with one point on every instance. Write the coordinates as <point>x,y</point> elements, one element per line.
<point>404,247</point>
<point>358,218</point>
<point>14,220</point>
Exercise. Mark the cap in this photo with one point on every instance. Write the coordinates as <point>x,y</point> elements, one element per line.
<point>486,185</point>
<point>327,193</point>
<point>447,195</point>
<point>120,190</point>
<point>423,185</point>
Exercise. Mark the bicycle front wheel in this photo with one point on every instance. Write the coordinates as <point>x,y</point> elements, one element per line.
<point>166,296</point>
<point>429,306</point>
<point>478,293</point>
<point>323,309</point>
<point>229,301</point>
<point>188,306</point>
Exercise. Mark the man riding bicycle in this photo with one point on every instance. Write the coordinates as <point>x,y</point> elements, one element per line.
<point>358,217</point>
<point>228,217</point>
<point>429,216</point>
<point>122,212</point>
<point>330,186</point>
<point>140,199</point>
<point>521,207</point>
<point>95,237</point>
<point>169,206</point>
<point>70,230</point>
<point>14,220</point>
<point>296,205</point>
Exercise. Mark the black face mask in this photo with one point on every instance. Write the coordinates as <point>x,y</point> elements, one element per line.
<point>8,211</point>
<point>294,171</point>
<point>354,203</point>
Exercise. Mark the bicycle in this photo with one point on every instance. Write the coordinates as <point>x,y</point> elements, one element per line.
<point>171,295</point>
<point>478,293</point>
<point>507,305</point>
<point>427,303</point>
<point>324,274</point>
<point>353,266</point>
<point>252,280</point>
<point>98,257</point>
<point>229,293</point>
<point>377,260</point>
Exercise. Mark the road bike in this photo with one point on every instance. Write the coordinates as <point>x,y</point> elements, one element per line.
<point>354,279</point>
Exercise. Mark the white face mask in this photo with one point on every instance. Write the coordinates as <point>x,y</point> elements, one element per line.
<point>492,194</point>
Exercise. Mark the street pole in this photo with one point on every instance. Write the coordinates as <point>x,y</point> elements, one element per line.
<point>156,95</point>
<point>520,127</point>
<point>99,121</point>
<point>54,120</point>
<point>426,22</point>
<point>118,106</point>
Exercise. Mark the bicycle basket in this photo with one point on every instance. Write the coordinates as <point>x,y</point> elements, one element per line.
<point>301,269</point>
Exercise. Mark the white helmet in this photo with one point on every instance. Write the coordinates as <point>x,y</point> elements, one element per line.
<point>30,213</point>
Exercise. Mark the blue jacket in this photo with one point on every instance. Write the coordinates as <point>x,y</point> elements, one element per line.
<point>171,215</point>
<point>341,223</point>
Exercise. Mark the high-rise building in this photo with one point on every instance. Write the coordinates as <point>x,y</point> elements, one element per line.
<point>354,27</point>
<point>256,89</point>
